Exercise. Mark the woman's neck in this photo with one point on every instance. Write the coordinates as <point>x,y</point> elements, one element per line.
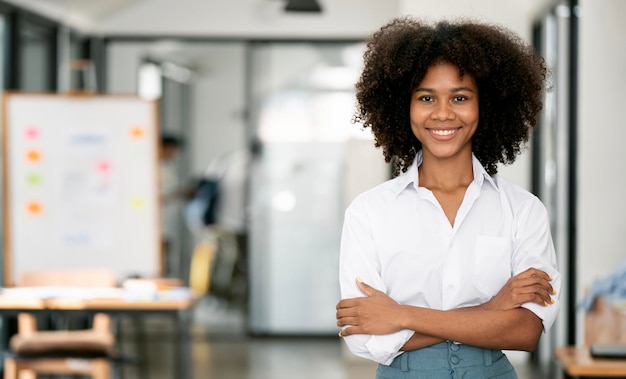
<point>446,174</point>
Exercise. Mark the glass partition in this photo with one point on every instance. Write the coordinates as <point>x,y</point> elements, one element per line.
<point>554,157</point>
<point>36,61</point>
<point>3,65</point>
<point>302,102</point>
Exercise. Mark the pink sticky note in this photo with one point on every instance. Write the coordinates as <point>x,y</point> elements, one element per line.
<point>104,166</point>
<point>32,132</point>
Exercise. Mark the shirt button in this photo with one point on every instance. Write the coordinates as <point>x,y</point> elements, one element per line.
<point>454,359</point>
<point>454,347</point>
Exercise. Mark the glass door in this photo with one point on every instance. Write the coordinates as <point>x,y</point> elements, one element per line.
<point>303,99</point>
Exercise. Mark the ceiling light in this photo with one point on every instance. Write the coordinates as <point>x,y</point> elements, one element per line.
<point>303,6</point>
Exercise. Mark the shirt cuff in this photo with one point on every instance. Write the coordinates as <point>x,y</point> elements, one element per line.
<point>547,313</point>
<point>384,349</point>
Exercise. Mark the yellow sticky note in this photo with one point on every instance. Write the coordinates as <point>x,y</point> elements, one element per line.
<point>138,203</point>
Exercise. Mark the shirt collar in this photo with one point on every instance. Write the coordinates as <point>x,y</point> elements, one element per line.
<point>410,176</point>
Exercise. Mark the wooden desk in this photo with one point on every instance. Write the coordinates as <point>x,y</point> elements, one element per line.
<point>180,309</point>
<point>576,361</point>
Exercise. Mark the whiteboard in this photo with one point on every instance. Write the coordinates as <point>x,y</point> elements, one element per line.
<point>80,183</point>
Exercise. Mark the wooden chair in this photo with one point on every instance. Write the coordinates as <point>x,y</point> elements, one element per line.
<point>62,352</point>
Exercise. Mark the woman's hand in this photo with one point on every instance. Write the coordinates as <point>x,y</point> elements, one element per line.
<point>530,286</point>
<point>376,313</point>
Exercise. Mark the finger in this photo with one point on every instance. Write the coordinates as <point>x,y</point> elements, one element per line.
<point>350,331</point>
<point>546,290</point>
<point>517,300</point>
<point>534,288</point>
<point>530,273</point>
<point>344,321</point>
<point>346,312</point>
<point>519,296</point>
<point>539,273</point>
<point>369,291</point>
<point>347,303</point>
<point>533,281</point>
<point>534,295</point>
<point>543,294</point>
<point>541,283</point>
<point>537,299</point>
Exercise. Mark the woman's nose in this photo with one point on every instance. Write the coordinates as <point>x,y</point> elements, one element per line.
<point>443,112</point>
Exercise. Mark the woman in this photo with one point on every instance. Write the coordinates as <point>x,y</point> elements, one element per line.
<point>459,262</point>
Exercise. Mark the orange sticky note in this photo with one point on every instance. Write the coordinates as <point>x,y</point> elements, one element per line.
<point>34,207</point>
<point>33,156</point>
<point>136,131</point>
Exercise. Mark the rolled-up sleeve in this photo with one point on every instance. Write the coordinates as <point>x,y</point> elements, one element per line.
<point>534,248</point>
<point>358,259</point>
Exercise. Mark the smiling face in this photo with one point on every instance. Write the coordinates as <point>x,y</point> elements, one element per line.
<point>444,112</point>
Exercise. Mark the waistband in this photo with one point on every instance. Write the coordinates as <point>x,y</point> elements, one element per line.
<point>446,353</point>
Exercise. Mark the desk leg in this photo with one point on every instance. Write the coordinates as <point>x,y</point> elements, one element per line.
<point>184,364</point>
<point>141,344</point>
<point>135,354</point>
<point>4,338</point>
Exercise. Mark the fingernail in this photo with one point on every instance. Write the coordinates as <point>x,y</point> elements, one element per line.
<point>358,279</point>
<point>553,292</point>
<point>340,334</point>
<point>551,301</point>
<point>550,278</point>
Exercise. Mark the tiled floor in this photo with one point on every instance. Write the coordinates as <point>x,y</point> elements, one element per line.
<point>220,349</point>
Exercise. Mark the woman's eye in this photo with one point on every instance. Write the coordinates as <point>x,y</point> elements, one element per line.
<point>459,98</point>
<point>426,98</point>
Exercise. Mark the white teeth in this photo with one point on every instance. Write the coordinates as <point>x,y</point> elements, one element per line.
<point>444,132</point>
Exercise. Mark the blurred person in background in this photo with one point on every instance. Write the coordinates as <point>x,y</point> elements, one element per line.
<point>173,193</point>
<point>218,213</point>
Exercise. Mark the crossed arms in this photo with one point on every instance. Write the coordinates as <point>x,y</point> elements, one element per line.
<point>500,323</point>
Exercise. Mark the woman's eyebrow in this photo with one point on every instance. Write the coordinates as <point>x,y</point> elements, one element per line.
<point>459,89</point>
<point>455,89</point>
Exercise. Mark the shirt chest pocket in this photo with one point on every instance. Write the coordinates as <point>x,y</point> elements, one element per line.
<point>492,264</point>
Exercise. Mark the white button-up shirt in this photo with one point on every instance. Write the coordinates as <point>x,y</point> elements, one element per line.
<point>397,238</point>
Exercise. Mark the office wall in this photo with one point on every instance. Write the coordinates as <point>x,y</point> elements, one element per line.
<point>601,136</point>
